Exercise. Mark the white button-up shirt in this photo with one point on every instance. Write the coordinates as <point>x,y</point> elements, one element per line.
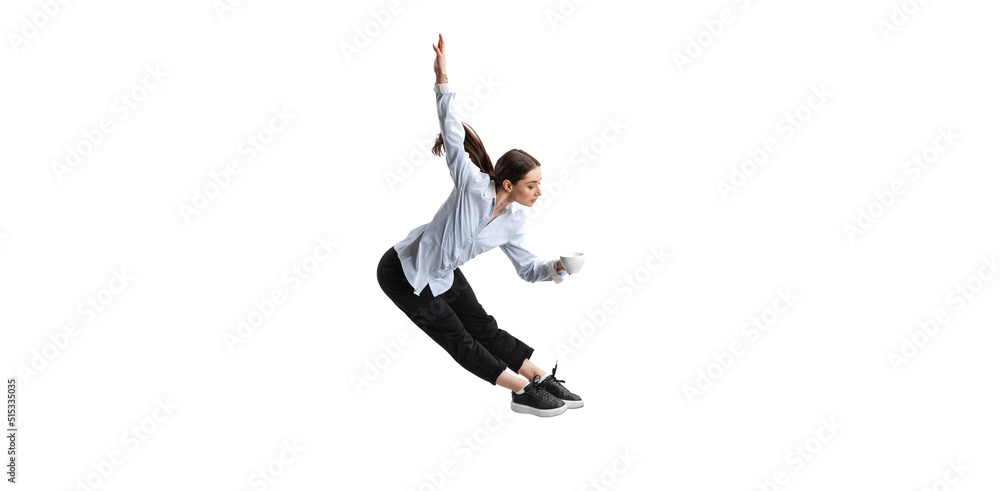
<point>461,229</point>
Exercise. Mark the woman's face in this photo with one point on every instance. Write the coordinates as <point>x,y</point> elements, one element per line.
<point>528,189</point>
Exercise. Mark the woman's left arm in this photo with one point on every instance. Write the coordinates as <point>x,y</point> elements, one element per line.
<point>529,267</point>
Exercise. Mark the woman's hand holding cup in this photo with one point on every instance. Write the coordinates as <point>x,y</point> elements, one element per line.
<point>571,263</point>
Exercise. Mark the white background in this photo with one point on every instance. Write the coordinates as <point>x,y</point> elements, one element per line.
<point>654,186</point>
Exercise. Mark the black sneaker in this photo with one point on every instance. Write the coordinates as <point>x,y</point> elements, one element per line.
<point>536,400</point>
<point>555,387</point>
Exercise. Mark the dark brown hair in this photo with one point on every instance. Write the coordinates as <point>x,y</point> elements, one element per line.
<point>511,166</point>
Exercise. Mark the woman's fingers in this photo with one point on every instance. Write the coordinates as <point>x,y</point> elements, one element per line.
<point>439,51</point>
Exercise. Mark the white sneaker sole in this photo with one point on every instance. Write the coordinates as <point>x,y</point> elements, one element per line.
<point>521,408</point>
<point>573,404</point>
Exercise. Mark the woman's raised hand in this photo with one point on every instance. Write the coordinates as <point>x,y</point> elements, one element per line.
<point>439,69</point>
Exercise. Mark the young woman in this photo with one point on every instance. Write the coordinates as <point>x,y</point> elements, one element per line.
<point>421,274</point>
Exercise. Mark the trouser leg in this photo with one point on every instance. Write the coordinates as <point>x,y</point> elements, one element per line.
<point>483,327</point>
<point>436,318</point>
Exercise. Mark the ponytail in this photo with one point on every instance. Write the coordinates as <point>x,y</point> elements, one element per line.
<point>513,165</point>
<point>474,147</point>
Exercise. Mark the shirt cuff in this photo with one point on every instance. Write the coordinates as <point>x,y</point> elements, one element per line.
<point>557,277</point>
<point>442,88</point>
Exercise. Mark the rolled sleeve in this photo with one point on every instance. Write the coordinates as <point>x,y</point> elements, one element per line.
<point>557,276</point>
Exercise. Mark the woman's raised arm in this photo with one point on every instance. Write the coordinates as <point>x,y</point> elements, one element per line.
<point>460,166</point>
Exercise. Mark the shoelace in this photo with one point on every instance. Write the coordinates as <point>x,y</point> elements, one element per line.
<point>540,390</point>
<point>535,385</point>
<point>537,382</point>
<point>554,373</point>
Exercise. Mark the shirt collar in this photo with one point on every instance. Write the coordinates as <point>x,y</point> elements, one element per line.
<point>491,192</point>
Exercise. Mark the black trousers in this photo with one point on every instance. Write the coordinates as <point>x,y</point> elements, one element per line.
<point>454,320</point>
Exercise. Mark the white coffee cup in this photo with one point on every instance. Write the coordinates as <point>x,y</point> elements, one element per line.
<point>572,262</point>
